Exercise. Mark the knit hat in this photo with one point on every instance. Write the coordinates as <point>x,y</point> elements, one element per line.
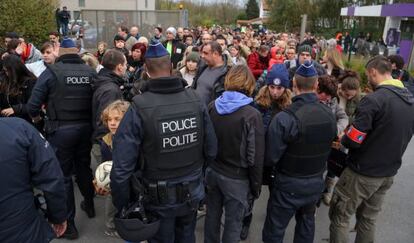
<point>67,47</point>
<point>155,50</point>
<point>11,35</point>
<point>193,56</point>
<point>305,48</point>
<point>306,70</point>
<point>172,30</point>
<point>278,75</point>
<point>118,37</point>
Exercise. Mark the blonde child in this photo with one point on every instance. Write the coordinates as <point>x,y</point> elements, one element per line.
<point>111,117</point>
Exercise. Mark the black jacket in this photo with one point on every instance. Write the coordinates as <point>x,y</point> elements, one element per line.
<point>177,53</point>
<point>106,89</point>
<point>241,145</point>
<point>27,160</point>
<point>18,102</point>
<point>381,131</point>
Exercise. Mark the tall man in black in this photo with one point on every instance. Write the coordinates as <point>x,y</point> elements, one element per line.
<point>65,88</point>
<point>298,145</point>
<point>168,128</point>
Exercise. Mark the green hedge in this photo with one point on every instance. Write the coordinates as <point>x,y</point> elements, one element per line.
<point>32,19</point>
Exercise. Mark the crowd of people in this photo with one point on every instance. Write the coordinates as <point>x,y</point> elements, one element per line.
<point>202,118</point>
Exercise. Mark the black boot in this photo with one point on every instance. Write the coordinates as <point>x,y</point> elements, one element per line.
<point>246,226</point>
<point>88,207</point>
<point>71,232</point>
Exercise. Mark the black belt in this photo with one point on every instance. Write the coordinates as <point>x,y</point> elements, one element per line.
<point>161,193</point>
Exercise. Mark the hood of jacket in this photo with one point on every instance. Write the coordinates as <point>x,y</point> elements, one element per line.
<point>398,88</point>
<point>231,101</point>
<point>106,76</point>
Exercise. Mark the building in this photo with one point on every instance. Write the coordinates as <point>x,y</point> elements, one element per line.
<point>264,7</point>
<point>398,31</point>
<point>75,6</point>
<point>264,14</point>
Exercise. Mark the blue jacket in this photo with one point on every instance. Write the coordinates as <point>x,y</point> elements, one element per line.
<point>27,160</point>
<point>284,128</point>
<point>127,148</point>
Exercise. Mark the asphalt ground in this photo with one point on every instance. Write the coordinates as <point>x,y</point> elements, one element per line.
<point>395,223</point>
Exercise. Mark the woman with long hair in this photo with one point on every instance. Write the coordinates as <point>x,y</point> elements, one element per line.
<point>234,177</point>
<point>16,84</point>
<point>275,95</point>
<point>333,61</point>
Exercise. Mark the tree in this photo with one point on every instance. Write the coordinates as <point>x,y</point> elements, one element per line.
<point>252,9</point>
<point>33,19</point>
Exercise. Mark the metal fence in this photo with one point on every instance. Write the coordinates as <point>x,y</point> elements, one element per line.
<point>102,25</point>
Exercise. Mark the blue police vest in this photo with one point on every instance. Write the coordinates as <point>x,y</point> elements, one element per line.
<point>71,98</point>
<point>306,156</point>
<point>173,133</point>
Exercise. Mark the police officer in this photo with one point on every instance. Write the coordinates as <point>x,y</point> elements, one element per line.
<point>65,87</point>
<point>383,119</point>
<point>298,144</point>
<point>169,129</point>
<point>28,161</point>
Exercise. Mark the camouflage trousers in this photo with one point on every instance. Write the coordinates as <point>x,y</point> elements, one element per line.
<point>360,195</point>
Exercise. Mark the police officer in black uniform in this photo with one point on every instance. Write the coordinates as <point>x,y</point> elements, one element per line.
<point>28,161</point>
<point>65,88</point>
<point>168,128</point>
<point>298,144</point>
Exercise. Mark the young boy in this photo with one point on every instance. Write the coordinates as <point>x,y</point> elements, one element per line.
<point>111,117</point>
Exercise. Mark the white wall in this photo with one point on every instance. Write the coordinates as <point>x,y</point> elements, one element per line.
<point>73,5</point>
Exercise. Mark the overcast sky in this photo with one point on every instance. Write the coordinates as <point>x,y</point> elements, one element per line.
<point>240,2</point>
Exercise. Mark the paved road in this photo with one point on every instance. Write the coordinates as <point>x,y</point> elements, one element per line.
<point>395,223</point>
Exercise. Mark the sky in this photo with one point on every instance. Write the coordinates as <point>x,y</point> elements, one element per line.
<point>240,2</point>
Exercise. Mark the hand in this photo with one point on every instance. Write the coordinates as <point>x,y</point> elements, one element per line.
<point>59,228</point>
<point>131,69</point>
<point>7,112</point>
<point>336,145</point>
<point>99,190</point>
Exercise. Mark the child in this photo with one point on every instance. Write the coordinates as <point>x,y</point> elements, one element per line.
<point>102,47</point>
<point>111,117</point>
<point>327,92</point>
<point>189,71</point>
<point>349,93</point>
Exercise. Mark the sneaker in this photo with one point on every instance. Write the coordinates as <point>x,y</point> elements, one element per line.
<point>88,208</point>
<point>112,233</point>
<point>71,232</point>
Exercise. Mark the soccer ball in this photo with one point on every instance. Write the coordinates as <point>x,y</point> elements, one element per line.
<point>102,175</point>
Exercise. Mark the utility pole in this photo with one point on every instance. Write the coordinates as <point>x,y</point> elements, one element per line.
<point>303,27</point>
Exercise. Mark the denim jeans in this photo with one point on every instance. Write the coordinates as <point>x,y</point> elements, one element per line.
<point>64,29</point>
<point>230,194</point>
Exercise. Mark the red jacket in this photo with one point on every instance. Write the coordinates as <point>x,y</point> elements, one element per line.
<point>256,64</point>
